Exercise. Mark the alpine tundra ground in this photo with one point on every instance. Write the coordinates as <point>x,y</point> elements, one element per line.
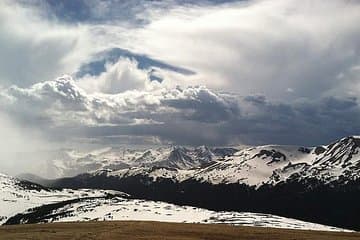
<point>133,230</point>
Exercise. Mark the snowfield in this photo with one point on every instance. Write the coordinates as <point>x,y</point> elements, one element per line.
<point>124,209</point>
<point>17,196</point>
<point>24,202</point>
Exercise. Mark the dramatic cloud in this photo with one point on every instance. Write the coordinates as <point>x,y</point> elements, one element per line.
<point>182,72</point>
<point>61,103</point>
<point>193,115</point>
<point>283,49</point>
<point>118,77</point>
<point>304,121</point>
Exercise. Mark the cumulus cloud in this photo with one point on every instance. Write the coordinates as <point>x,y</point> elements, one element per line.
<point>191,116</point>
<point>62,103</point>
<point>118,77</point>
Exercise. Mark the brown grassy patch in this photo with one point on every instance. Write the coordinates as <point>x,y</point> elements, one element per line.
<point>160,231</point>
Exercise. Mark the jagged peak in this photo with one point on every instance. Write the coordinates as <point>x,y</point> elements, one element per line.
<point>353,140</point>
<point>179,149</point>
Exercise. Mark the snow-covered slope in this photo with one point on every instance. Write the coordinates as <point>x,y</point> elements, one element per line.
<point>337,162</point>
<point>119,208</point>
<point>24,202</point>
<point>16,196</point>
<point>252,166</point>
<point>273,164</point>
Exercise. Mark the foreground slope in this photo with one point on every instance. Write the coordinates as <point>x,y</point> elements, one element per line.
<point>24,202</point>
<point>17,196</point>
<point>157,230</point>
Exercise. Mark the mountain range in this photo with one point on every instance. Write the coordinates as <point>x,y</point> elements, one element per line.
<point>317,184</point>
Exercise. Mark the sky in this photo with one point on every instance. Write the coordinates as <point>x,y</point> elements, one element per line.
<point>181,72</point>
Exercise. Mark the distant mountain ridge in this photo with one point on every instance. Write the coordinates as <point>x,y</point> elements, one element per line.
<point>253,166</point>
<point>292,181</point>
<point>68,163</point>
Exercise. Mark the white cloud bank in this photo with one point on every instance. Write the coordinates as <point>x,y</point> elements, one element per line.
<point>295,64</point>
<point>260,46</point>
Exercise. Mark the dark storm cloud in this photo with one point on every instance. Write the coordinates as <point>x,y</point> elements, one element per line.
<point>306,122</point>
<point>256,99</point>
<point>205,106</point>
<point>190,116</point>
